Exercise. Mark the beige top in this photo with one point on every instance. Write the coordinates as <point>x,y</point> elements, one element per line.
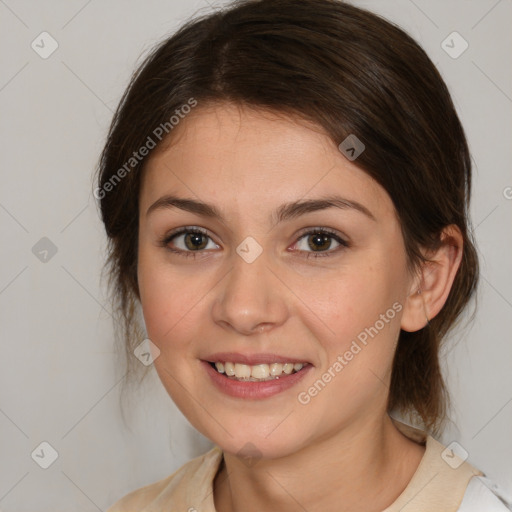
<point>438,485</point>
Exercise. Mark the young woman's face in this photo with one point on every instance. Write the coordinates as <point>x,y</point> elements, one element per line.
<point>262,285</point>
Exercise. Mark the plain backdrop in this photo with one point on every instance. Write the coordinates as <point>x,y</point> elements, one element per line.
<point>59,376</point>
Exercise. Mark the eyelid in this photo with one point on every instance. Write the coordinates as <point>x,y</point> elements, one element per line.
<point>185,229</point>
<point>321,229</point>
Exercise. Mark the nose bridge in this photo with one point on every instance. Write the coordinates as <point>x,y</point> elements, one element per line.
<point>249,298</point>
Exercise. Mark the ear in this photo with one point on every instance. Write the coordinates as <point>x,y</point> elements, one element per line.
<point>431,286</point>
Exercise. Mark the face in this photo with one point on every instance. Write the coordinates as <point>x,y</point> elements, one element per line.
<point>298,257</point>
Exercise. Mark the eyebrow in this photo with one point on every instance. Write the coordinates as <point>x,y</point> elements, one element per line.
<point>284,212</point>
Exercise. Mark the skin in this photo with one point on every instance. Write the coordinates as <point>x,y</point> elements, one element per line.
<point>247,163</point>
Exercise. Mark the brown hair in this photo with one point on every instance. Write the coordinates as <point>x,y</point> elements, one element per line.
<point>350,72</point>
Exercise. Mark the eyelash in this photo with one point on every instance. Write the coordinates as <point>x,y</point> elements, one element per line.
<point>164,242</point>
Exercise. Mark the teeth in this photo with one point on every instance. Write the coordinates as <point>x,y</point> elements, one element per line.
<point>257,372</point>
<point>276,369</point>
<point>242,371</point>
<point>288,368</point>
<point>229,368</point>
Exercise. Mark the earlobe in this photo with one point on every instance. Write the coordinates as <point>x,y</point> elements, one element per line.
<point>432,286</point>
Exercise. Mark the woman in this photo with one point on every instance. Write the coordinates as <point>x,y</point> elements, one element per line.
<point>285,189</point>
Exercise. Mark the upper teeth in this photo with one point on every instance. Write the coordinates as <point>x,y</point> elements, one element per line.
<point>257,371</point>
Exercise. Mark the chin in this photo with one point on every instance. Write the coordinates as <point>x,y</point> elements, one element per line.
<point>253,449</point>
<point>261,440</point>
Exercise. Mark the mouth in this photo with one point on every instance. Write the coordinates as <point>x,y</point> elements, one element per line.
<point>254,376</point>
<point>258,372</point>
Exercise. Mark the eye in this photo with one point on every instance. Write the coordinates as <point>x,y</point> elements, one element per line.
<point>320,240</point>
<point>188,241</point>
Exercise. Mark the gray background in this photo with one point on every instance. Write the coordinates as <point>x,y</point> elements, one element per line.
<point>59,378</point>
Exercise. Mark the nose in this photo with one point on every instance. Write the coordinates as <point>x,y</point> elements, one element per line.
<point>250,299</point>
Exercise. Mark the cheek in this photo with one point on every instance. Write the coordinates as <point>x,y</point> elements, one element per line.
<point>362,310</point>
<point>165,297</point>
<point>356,361</point>
<point>353,299</point>
<point>176,303</point>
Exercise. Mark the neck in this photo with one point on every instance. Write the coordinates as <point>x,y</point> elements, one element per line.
<point>363,467</point>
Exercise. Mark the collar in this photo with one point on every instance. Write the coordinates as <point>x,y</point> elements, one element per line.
<point>436,484</point>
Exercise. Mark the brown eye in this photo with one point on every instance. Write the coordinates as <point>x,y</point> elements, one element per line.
<point>188,241</point>
<point>319,241</point>
<point>195,241</point>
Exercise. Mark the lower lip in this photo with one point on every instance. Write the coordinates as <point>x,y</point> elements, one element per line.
<point>254,390</point>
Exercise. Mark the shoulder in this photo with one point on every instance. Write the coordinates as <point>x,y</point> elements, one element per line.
<point>445,481</point>
<point>482,494</point>
<point>172,489</point>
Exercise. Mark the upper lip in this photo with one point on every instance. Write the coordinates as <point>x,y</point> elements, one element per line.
<point>252,359</point>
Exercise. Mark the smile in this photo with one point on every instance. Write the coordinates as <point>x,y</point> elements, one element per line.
<point>254,382</point>
<point>257,372</point>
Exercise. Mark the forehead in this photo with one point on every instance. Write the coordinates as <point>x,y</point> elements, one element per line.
<point>228,154</point>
